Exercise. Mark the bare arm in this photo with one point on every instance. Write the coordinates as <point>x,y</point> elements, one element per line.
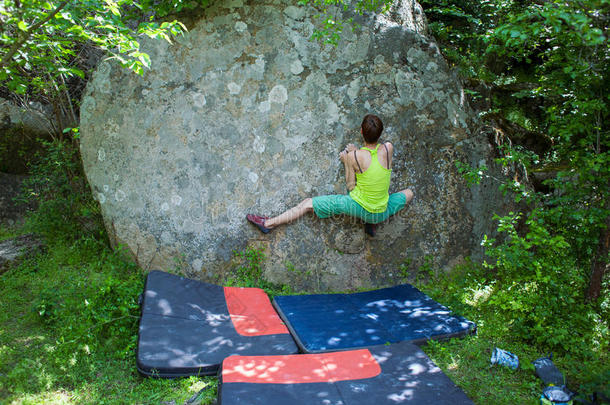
<point>350,174</point>
<point>390,149</point>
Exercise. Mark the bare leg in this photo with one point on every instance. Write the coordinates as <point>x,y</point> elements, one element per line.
<point>303,208</point>
<point>408,193</point>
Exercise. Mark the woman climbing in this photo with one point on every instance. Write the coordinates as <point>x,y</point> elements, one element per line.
<point>367,174</point>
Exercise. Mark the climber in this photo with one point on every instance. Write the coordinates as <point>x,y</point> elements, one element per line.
<point>367,174</point>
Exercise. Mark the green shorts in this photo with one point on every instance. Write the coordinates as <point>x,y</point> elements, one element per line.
<point>328,205</point>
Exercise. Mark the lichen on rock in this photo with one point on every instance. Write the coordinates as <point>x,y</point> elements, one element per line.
<point>247,114</point>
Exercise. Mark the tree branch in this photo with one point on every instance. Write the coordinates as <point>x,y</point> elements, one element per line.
<point>23,36</point>
<point>537,142</point>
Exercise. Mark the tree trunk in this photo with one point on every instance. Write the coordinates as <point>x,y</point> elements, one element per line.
<point>600,264</point>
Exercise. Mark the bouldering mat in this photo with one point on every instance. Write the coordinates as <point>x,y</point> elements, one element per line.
<point>328,322</point>
<point>399,373</point>
<point>188,327</point>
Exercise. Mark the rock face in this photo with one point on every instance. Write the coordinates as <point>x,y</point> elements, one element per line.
<point>246,114</point>
<point>34,119</point>
<point>13,250</point>
<point>19,129</point>
<point>11,212</point>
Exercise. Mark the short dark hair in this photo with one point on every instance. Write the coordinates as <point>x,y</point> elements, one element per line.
<point>371,128</point>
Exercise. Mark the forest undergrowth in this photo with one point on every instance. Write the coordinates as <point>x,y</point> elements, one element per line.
<point>69,316</point>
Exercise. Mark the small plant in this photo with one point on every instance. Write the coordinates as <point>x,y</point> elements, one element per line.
<point>332,20</point>
<point>404,270</point>
<point>300,278</point>
<point>426,271</point>
<point>249,273</point>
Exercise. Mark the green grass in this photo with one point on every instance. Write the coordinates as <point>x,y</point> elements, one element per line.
<point>7,233</point>
<point>68,327</point>
<point>467,360</point>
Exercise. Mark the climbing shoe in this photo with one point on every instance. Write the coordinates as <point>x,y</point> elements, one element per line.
<point>370,229</point>
<point>259,222</point>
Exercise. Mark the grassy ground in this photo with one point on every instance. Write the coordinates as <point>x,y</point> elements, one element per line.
<point>68,324</point>
<point>68,327</point>
<point>467,361</point>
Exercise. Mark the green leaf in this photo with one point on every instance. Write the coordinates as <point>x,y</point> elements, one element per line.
<point>22,26</point>
<point>77,72</point>
<point>145,59</point>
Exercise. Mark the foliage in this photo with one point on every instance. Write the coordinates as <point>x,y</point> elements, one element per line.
<point>41,39</point>
<point>473,291</point>
<point>49,47</point>
<point>545,65</point>
<point>537,284</point>
<point>331,15</point>
<point>469,174</point>
<point>57,186</point>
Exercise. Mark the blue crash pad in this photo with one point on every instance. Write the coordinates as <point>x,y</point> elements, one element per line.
<point>327,322</point>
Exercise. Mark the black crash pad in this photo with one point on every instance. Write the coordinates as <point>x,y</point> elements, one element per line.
<point>400,373</point>
<point>189,327</point>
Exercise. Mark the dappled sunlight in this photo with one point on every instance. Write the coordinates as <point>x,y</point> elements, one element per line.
<point>454,364</point>
<point>189,327</point>
<point>389,315</point>
<point>304,368</point>
<point>251,312</point>
<point>214,319</point>
<point>404,395</point>
<point>164,307</point>
<point>475,296</point>
<point>58,397</point>
<point>399,373</point>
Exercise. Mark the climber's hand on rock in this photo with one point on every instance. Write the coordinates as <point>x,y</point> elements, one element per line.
<point>350,147</point>
<point>343,155</point>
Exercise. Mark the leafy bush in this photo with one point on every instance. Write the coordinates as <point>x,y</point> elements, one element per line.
<point>541,69</point>
<point>539,286</point>
<point>485,294</point>
<point>57,186</point>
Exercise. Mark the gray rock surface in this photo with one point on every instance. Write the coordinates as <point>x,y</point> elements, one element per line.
<point>11,213</point>
<point>35,118</point>
<point>13,250</point>
<point>246,115</point>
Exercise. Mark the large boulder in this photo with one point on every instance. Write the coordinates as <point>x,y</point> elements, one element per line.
<point>246,114</point>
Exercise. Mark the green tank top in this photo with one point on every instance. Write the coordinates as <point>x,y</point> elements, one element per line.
<point>372,186</point>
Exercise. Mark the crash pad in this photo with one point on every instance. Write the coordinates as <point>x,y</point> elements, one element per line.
<point>399,373</point>
<point>328,322</point>
<point>188,327</point>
